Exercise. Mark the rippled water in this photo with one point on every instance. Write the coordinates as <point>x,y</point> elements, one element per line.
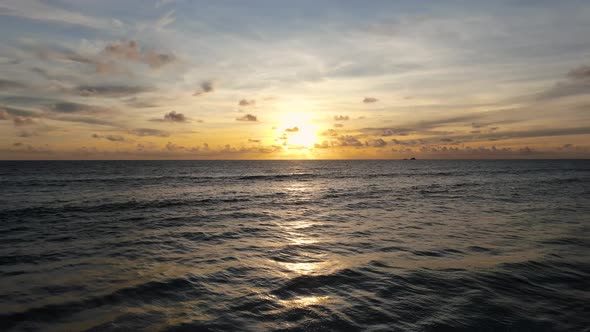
<point>295,245</point>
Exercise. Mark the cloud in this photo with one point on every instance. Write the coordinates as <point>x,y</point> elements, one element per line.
<point>140,103</point>
<point>385,132</point>
<point>292,130</point>
<point>109,61</point>
<point>161,3</point>
<point>112,138</point>
<point>69,108</point>
<point>172,117</point>
<point>42,11</point>
<point>101,65</point>
<point>20,121</point>
<point>149,132</point>
<point>206,87</point>
<point>253,140</point>
<point>175,117</point>
<point>131,51</point>
<point>248,117</point>
<point>23,121</point>
<point>348,140</point>
<point>407,142</point>
<point>341,117</point>
<point>82,119</point>
<point>370,100</point>
<point>60,111</point>
<point>108,90</point>
<point>42,72</point>
<point>338,125</point>
<point>329,132</point>
<point>128,50</point>
<point>165,20</point>
<point>245,102</point>
<point>11,85</point>
<point>496,136</point>
<point>27,133</point>
<point>580,73</point>
<point>157,60</point>
<point>376,143</point>
<point>577,83</point>
<point>472,152</point>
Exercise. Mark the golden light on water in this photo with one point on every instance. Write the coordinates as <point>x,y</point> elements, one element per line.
<point>305,301</point>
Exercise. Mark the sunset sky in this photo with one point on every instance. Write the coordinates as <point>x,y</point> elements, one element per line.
<point>180,79</point>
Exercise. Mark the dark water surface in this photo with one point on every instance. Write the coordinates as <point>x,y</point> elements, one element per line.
<point>295,245</point>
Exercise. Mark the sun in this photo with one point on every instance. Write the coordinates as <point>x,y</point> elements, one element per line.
<point>297,131</point>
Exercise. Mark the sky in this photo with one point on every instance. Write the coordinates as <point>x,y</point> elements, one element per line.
<point>274,79</point>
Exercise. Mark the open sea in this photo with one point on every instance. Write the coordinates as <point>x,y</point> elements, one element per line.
<point>295,245</point>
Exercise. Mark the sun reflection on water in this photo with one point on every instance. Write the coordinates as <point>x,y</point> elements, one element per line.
<point>304,301</point>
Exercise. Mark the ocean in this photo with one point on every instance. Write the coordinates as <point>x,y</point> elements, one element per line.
<point>295,245</point>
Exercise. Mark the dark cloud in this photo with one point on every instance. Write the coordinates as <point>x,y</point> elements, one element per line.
<point>245,102</point>
<point>206,87</point>
<point>348,140</point>
<point>550,132</point>
<point>82,119</point>
<point>69,108</point>
<point>29,100</point>
<point>149,132</point>
<point>472,152</point>
<point>248,117</point>
<point>376,143</point>
<point>10,85</point>
<point>109,90</point>
<point>253,140</point>
<point>577,83</point>
<point>172,117</point>
<point>112,138</point>
<point>385,132</point>
<point>292,130</point>
<point>338,125</point>
<point>426,127</point>
<point>341,117</point>
<point>175,117</point>
<point>172,147</point>
<point>496,136</point>
<point>581,73</point>
<point>370,100</point>
<point>20,121</point>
